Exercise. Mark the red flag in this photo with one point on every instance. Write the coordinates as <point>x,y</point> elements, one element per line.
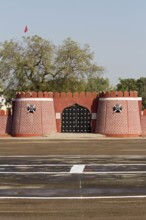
<point>25,29</point>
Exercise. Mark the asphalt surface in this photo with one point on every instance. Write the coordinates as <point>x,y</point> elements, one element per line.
<point>73,179</point>
<point>75,146</point>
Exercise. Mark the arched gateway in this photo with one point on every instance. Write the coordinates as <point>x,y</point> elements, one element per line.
<point>76,119</point>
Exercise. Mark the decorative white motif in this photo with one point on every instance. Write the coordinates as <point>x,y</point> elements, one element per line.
<point>31,108</point>
<point>117,108</point>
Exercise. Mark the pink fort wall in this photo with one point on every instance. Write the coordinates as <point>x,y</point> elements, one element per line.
<point>5,122</point>
<point>124,123</point>
<point>39,123</point>
<point>143,122</point>
<point>47,118</point>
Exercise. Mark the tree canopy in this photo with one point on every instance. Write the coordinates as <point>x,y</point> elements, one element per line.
<point>127,84</point>
<point>36,64</point>
<point>134,84</point>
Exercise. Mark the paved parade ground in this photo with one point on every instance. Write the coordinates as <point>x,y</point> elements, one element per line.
<point>77,177</point>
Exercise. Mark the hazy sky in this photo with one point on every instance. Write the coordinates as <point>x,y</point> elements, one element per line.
<point>114,29</point>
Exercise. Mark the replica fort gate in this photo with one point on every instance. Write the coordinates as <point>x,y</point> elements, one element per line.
<point>112,113</point>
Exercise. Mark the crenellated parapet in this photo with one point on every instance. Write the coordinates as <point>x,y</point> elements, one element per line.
<point>108,94</point>
<point>56,95</point>
<point>34,95</point>
<point>75,95</point>
<point>5,113</point>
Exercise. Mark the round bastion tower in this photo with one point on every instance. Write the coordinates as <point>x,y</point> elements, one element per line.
<point>118,114</point>
<point>33,114</point>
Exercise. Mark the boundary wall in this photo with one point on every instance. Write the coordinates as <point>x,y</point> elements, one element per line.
<point>5,122</point>
<point>131,121</point>
<point>143,122</point>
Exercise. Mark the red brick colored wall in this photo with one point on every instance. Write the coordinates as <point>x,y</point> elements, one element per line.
<point>63,100</point>
<point>41,122</point>
<point>5,122</point>
<point>126,123</point>
<point>49,107</point>
<point>143,122</point>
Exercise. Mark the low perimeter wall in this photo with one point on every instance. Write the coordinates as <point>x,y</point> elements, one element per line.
<point>5,122</point>
<point>143,122</point>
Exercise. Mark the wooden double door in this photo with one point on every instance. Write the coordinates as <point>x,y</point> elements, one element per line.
<point>76,119</point>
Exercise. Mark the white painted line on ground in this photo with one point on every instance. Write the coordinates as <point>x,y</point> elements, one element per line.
<point>68,165</point>
<point>77,168</point>
<point>52,156</point>
<point>116,172</point>
<point>75,172</point>
<point>34,156</point>
<point>33,173</point>
<point>72,156</point>
<point>75,198</point>
<point>116,164</point>
<point>35,165</point>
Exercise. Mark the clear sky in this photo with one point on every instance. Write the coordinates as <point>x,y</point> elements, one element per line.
<point>114,29</point>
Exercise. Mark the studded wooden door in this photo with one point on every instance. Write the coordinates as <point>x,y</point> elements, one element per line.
<point>76,119</point>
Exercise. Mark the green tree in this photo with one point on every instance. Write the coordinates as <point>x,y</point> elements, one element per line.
<point>133,84</point>
<point>24,66</point>
<point>35,64</point>
<point>67,85</point>
<point>73,66</point>
<point>141,85</point>
<point>127,85</point>
<point>98,84</point>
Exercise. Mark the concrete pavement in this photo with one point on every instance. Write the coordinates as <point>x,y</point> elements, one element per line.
<point>75,136</point>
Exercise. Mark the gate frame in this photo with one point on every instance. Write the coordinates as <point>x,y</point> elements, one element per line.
<point>77,106</point>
